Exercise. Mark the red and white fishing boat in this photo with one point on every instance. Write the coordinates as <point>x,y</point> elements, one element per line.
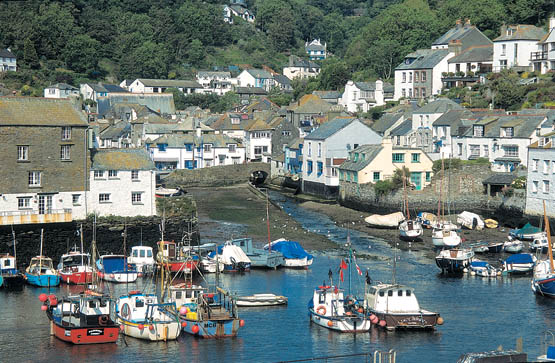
<point>75,268</point>
<point>175,257</point>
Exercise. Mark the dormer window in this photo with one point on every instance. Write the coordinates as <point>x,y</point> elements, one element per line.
<point>478,130</point>
<point>509,131</point>
<point>235,121</point>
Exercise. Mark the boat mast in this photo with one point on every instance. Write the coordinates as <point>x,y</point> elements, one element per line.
<point>350,259</point>
<point>14,248</point>
<point>394,265</point>
<point>268,222</point>
<point>40,256</point>
<point>548,232</point>
<point>406,196</point>
<point>81,233</point>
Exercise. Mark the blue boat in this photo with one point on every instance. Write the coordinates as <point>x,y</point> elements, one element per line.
<point>543,282</point>
<point>41,272</point>
<point>519,263</point>
<point>10,277</point>
<point>114,268</point>
<point>294,254</point>
<point>258,256</point>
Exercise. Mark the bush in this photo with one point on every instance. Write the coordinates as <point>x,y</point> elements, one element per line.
<point>519,183</point>
<point>383,188</point>
<point>453,163</point>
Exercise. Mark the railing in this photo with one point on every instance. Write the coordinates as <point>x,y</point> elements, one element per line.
<point>34,217</point>
<point>375,357</point>
<point>536,56</point>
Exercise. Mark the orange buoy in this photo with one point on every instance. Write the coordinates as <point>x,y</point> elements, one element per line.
<point>151,327</point>
<point>360,310</point>
<point>383,323</point>
<point>141,326</point>
<point>121,327</point>
<point>43,297</point>
<point>330,323</point>
<point>195,329</point>
<point>43,307</point>
<point>183,324</point>
<point>440,321</point>
<point>241,323</point>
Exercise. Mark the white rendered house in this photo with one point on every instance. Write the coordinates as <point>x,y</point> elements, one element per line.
<point>513,48</point>
<point>60,90</point>
<point>362,96</point>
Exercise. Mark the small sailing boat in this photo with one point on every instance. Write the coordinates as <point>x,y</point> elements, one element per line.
<point>409,229</point>
<point>41,271</point>
<point>293,253</point>
<point>443,234</point>
<point>520,263</point>
<point>74,266</point>
<point>543,281</point>
<point>11,278</point>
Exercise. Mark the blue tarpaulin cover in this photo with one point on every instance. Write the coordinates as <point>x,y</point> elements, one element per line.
<point>113,264</point>
<point>479,264</point>
<point>520,258</point>
<point>290,249</point>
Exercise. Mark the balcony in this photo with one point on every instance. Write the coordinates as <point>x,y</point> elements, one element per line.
<point>32,217</point>
<point>538,56</point>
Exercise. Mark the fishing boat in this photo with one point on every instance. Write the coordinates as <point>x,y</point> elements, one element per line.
<point>74,268</point>
<point>548,347</point>
<point>114,268</point>
<point>143,259</point>
<point>143,317</point>
<point>41,270</point>
<point>539,243</point>
<point>513,245</point>
<point>11,278</point>
<point>232,257</point>
<point>177,258</point>
<point>206,264</point>
<point>86,318</point>
<point>385,221</point>
<point>259,257</point>
<point>409,229</point>
<point>526,233</point>
<point>454,260</point>
<point>520,263</point>
<point>293,253</point>
<point>543,281</point>
<point>483,269</point>
<point>261,300</point>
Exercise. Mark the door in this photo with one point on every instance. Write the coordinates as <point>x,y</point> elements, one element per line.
<point>45,204</point>
<point>416,180</point>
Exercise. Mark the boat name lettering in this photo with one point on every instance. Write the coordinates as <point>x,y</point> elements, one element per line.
<point>95,332</point>
<point>411,320</point>
<point>209,325</point>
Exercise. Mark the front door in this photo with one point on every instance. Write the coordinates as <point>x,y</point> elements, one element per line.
<point>416,180</point>
<point>45,204</point>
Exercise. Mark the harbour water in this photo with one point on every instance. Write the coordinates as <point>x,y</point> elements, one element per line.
<point>480,314</point>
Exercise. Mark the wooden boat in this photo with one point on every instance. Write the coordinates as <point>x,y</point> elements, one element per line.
<point>143,317</point>
<point>261,300</point>
<point>293,253</point>
<point>520,263</point>
<point>41,271</point>
<point>327,309</point>
<point>114,268</point>
<point>491,223</point>
<point>454,260</point>
<point>176,258</point>
<point>206,314</point>
<point>543,281</point>
<point>82,319</point>
<point>385,221</point>
<point>259,257</point>
<point>483,269</point>
<point>143,259</point>
<point>75,268</point>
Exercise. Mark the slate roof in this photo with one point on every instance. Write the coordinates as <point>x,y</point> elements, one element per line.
<point>452,117</point>
<point>294,144</point>
<point>441,105</point>
<point>315,45</point>
<point>6,53</point>
<point>262,104</point>
<point>404,128</point>
<point>159,128</point>
<point>157,102</point>
<point>481,53</point>
<point>35,111</point>
<point>523,125</point>
<point>210,74</point>
<point>453,34</point>
<point>370,152</point>
<point>500,179</point>
<point>250,90</point>
<point>114,88</point>
<point>382,124</point>
<point>170,83</point>
<point>259,73</point>
<point>63,86</point>
<point>258,125</point>
<point>281,79</point>
<point>521,32</point>
<point>329,128</point>
<point>151,119</point>
<point>425,59</point>
<point>191,124</point>
<point>327,95</point>
<point>295,61</point>
<point>311,104</point>
<point>121,159</point>
<point>97,87</point>
<point>116,130</point>
<point>179,141</point>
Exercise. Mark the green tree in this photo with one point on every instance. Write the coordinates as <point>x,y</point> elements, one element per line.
<point>280,97</point>
<point>55,26</point>
<point>149,61</point>
<point>506,90</point>
<point>195,53</point>
<point>334,74</point>
<point>81,53</point>
<point>487,15</point>
<point>30,58</point>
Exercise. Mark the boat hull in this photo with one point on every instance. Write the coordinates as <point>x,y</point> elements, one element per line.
<point>156,331</point>
<point>495,247</point>
<point>43,280</point>
<point>261,260</point>
<point>88,335</point>
<point>342,324</point>
<point>13,282</point>
<point>452,265</point>
<point>545,286</point>
<point>261,300</point>
<point>419,320</point>
<point>238,267</point>
<point>76,278</point>
<point>299,263</point>
<point>211,329</point>
<point>119,277</point>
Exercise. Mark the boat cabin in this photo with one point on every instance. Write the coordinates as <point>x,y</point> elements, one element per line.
<point>169,249</point>
<point>74,260</point>
<point>186,295</point>
<point>115,263</point>
<point>245,244</point>
<point>328,301</point>
<point>40,264</point>
<point>141,254</point>
<point>7,264</point>
<point>140,307</point>
<point>391,299</point>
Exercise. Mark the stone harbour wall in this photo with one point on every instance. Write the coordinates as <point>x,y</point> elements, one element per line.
<point>214,176</point>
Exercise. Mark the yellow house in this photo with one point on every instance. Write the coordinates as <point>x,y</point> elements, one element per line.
<point>370,163</point>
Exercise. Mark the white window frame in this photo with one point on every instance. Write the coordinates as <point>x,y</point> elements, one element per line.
<point>545,186</point>
<point>535,164</point>
<point>231,148</point>
<point>65,152</point>
<point>24,203</point>
<point>23,153</point>
<point>76,199</point>
<point>546,166</point>
<point>104,198</point>
<point>66,133</point>
<point>98,174</point>
<point>535,184</point>
<point>112,174</point>
<point>319,149</point>
<point>207,148</point>
<point>134,175</point>
<point>136,198</point>
<point>35,178</point>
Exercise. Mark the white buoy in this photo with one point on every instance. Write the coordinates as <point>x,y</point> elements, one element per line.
<point>465,270</point>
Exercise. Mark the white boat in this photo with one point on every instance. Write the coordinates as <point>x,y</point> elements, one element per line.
<point>410,229</point>
<point>470,220</point>
<point>513,245</point>
<point>445,238</point>
<point>520,263</point>
<point>483,269</point>
<point>143,259</point>
<point>294,254</point>
<point>261,300</point>
<point>327,309</point>
<point>142,317</point>
<point>394,306</point>
<point>385,221</point>
<point>455,260</point>
<point>168,192</point>
<point>114,268</point>
<point>539,243</point>
<point>232,257</point>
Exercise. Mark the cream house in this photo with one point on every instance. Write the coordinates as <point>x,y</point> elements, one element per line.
<point>371,163</point>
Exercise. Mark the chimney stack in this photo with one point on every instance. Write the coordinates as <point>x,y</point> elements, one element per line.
<point>458,23</point>
<point>467,23</point>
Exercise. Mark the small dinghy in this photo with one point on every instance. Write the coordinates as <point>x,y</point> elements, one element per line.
<point>513,246</point>
<point>520,263</point>
<point>385,221</point>
<point>470,220</point>
<point>495,247</point>
<point>491,223</point>
<point>539,243</point>
<point>483,269</point>
<point>261,300</point>
<point>479,247</point>
<point>445,238</point>
<point>293,253</point>
<point>527,233</point>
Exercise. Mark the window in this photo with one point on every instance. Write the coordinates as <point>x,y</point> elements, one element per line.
<point>333,171</point>
<point>76,199</point>
<point>553,166</point>
<point>403,93</point>
<point>508,131</point>
<point>66,133</point>
<point>416,76</point>
<point>474,150</point>
<point>535,186</point>
<point>189,164</point>
<point>34,178</point>
<point>136,197</point>
<point>535,164</point>
<point>511,151</point>
<point>24,202</point>
<point>423,92</point>
<point>231,148</point>
<point>257,150</point>
<point>112,173</point>
<point>415,158</point>
<point>341,177</point>
<point>286,133</point>
<point>423,79</point>
<point>319,149</point>
<point>410,92</point>
<point>99,174</point>
<point>546,166</point>
<point>459,149</point>
<point>486,150</point>
<point>356,157</point>
<point>478,130</point>
<point>162,147</point>
<point>416,92</point>
<point>503,63</point>
<point>428,176</point>
<point>398,158</point>
<point>546,186</point>
<point>399,292</point>
<point>23,153</point>
<point>64,152</point>
<point>309,167</point>
<point>410,77</point>
<point>404,77</point>
<point>104,198</point>
<point>134,175</point>
<point>376,176</point>
<point>320,167</point>
<point>207,148</point>
<point>355,176</point>
<point>503,49</point>
<point>188,147</point>
<point>309,149</point>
